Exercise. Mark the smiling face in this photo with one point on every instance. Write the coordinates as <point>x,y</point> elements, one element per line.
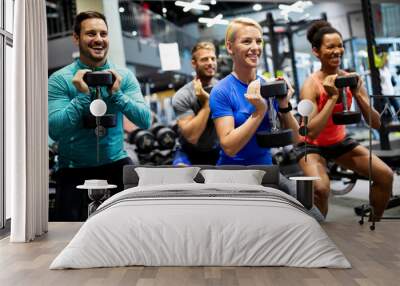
<point>205,63</point>
<point>93,42</point>
<point>245,47</point>
<point>331,51</point>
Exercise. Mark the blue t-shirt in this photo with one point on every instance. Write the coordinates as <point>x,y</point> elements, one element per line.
<point>227,99</point>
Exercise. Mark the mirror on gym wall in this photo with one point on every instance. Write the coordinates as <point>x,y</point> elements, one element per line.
<point>6,60</point>
<point>9,12</point>
<point>9,65</point>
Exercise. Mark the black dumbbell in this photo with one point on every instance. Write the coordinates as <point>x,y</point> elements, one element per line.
<point>107,121</point>
<point>276,137</point>
<point>143,139</point>
<point>276,89</point>
<point>52,158</point>
<point>165,136</point>
<point>155,127</point>
<point>132,135</point>
<point>175,127</point>
<point>346,116</point>
<point>156,157</point>
<point>278,158</point>
<point>346,81</point>
<point>99,78</point>
<point>145,159</point>
<point>161,157</point>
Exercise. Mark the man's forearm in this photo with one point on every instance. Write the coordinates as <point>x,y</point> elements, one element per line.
<point>193,129</point>
<point>62,118</point>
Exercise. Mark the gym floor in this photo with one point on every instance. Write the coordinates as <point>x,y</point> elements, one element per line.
<point>374,255</point>
<point>342,207</point>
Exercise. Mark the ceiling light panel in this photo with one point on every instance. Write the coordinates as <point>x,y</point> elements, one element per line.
<point>195,5</point>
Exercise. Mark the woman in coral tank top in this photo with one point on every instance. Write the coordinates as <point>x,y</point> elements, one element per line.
<point>327,141</point>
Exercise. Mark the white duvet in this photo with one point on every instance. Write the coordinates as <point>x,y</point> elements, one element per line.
<point>134,228</point>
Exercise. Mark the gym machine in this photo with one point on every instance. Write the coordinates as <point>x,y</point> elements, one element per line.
<point>378,104</point>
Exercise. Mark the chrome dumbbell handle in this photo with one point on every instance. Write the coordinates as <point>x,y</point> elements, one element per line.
<point>344,99</point>
<point>273,115</point>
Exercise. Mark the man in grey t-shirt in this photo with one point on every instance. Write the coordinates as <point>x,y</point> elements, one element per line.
<point>197,136</point>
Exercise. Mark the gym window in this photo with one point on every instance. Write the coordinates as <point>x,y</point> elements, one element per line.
<point>6,45</point>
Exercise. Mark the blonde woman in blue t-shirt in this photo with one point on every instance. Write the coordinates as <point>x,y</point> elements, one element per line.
<point>236,105</point>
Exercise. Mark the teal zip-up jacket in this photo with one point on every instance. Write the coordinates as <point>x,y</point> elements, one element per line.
<point>67,106</point>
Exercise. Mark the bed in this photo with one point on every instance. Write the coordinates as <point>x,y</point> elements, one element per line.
<point>205,222</point>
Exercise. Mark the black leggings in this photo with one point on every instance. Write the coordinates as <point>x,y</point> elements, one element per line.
<point>71,203</point>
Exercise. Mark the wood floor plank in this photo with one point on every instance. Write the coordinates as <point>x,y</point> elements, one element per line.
<point>131,276</point>
<point>146,282</point>
<point>212,272</point>
<point>228,277</point>
<point>313,282</point>
<point>374,255</point>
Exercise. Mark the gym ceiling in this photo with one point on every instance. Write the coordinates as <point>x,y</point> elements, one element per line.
<point>176,15</point>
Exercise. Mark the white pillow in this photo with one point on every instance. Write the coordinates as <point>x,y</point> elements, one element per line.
<point>166,176</point>
<point>249,177</point>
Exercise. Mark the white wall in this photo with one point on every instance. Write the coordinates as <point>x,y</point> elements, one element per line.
<point>116,51</point>
<point>337,16</point>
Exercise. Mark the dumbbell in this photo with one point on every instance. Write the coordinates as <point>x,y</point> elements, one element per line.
<point>98,107</point>
<point>52,158</point>
<point>107,121</point>
<point>145,159</point>
<point>273,89</point>
<point>143,139</point>
<point>99,78</point>
<point>175,127</point>
<point>276,137</point>
<point>161,157</point>
<point>165,136</point>
<point>155,127</point>
<point>346,116</point>
<point>279,157</point>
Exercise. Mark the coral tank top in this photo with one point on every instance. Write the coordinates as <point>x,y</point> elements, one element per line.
<point>332,133</point>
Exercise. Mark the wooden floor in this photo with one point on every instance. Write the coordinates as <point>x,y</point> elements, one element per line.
<point>374,255</point>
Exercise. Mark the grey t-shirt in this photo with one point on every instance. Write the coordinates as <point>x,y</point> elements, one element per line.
<point>185,102</point>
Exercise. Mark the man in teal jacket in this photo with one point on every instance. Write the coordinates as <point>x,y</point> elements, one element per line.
<point>69,101</point>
